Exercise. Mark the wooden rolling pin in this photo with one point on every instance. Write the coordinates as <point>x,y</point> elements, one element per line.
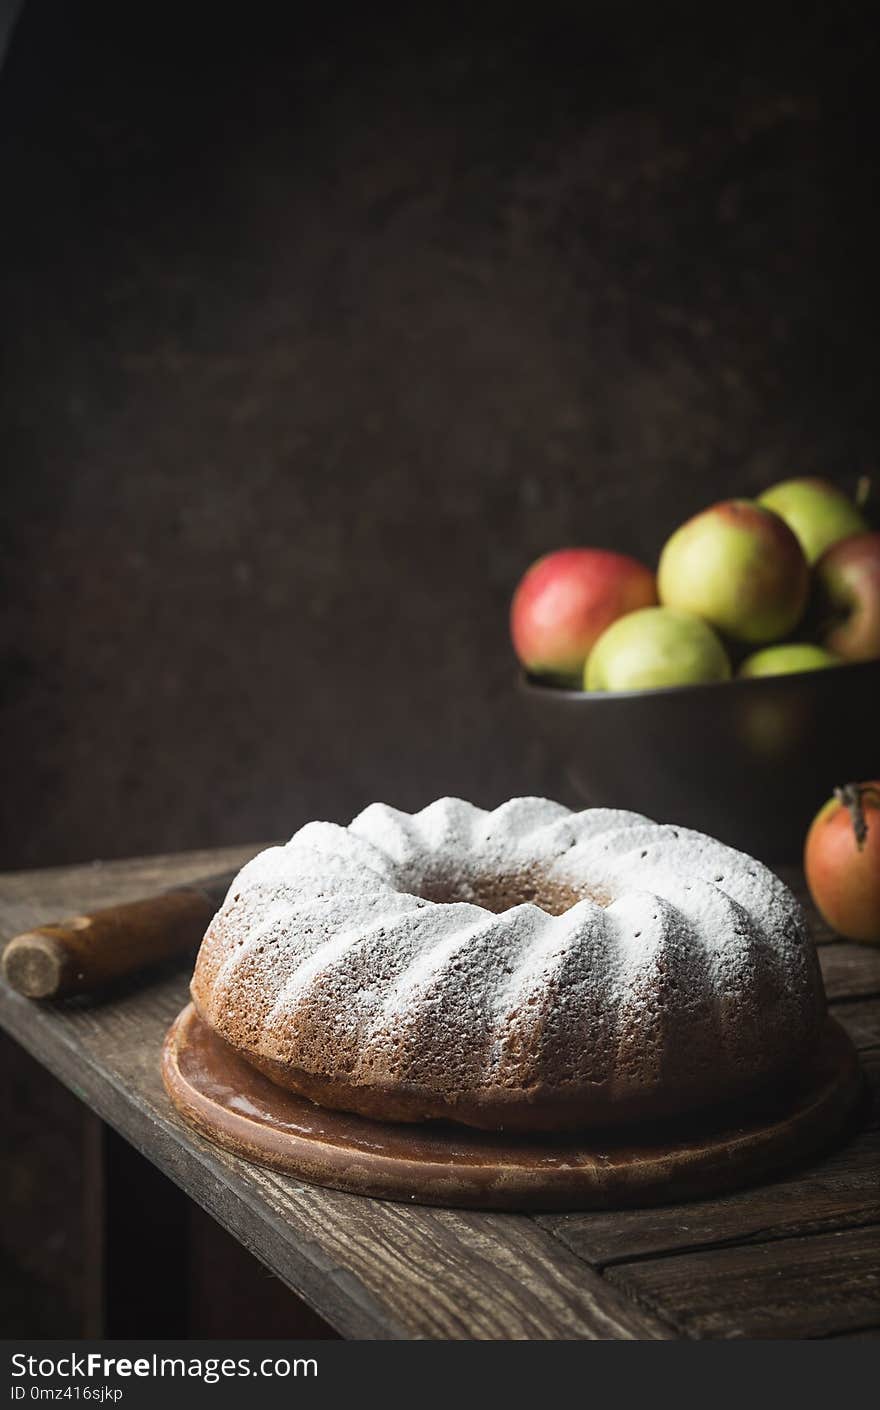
<point>80,955</point>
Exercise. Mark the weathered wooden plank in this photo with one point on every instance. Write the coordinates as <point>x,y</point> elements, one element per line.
<point>373,1270</point>
<point>802,1287</point>
<point>380,1270</point>
<point>861,1019</point>
<point>850,971</point>
<point>840,1191</point>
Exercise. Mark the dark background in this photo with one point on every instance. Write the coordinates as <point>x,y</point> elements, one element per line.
<point>316,330</point>
<point>316,326</point>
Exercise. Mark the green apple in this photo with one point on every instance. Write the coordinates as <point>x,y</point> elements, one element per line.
<point>784,660</point>
<point>740,567</point>
<point>818,513</point>
<point>656,646</point>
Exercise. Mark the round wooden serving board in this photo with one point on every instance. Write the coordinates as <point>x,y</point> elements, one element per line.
<point>231,1103</point>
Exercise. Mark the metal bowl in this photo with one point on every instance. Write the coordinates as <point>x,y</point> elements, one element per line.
<point>748,760</point>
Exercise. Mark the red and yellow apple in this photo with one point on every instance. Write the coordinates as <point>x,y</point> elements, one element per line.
<point>818,513</point>
<point>847,598</point>
<point>786,659</point>
<point>842,861</point>
<point>565,601</point>
<point>655,647</point>
<point>739,566</point>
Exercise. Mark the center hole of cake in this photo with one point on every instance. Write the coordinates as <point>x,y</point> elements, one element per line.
<point>501,891</point>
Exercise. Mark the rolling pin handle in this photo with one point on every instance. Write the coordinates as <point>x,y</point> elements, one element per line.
<point>87,952</point>
<point>35,964</point>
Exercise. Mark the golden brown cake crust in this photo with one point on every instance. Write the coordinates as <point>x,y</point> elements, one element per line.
<point>543,1109</point>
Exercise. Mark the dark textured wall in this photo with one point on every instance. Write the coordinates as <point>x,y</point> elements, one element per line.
<point>315,333</point>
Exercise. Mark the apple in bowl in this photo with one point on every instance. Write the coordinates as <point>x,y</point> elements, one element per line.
<point>739,567</point>
<point>786,659</point>
<point>564,602</point>
<point>818,513</point>
<point>847,598</point>
<point>654,648</point>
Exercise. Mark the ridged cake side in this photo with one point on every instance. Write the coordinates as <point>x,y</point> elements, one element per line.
<point>685,975</point>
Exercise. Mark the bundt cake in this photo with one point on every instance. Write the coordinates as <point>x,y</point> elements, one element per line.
<point>530,968</point>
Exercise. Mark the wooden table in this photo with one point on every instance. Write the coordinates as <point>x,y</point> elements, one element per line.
<point>797,1258</point>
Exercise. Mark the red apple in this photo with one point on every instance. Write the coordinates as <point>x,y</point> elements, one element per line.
<point>565,601</point>
<point>848,597</point>
<point>842,861</point>
<point>740,567</point>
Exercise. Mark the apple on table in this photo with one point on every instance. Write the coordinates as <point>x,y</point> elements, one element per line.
<point>842,861</point>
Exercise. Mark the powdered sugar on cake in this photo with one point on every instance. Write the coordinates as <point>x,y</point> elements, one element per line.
<point>369,954</point>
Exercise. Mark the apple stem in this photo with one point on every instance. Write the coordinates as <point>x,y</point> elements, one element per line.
<point>863,491</point>
<point>850,797</point>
